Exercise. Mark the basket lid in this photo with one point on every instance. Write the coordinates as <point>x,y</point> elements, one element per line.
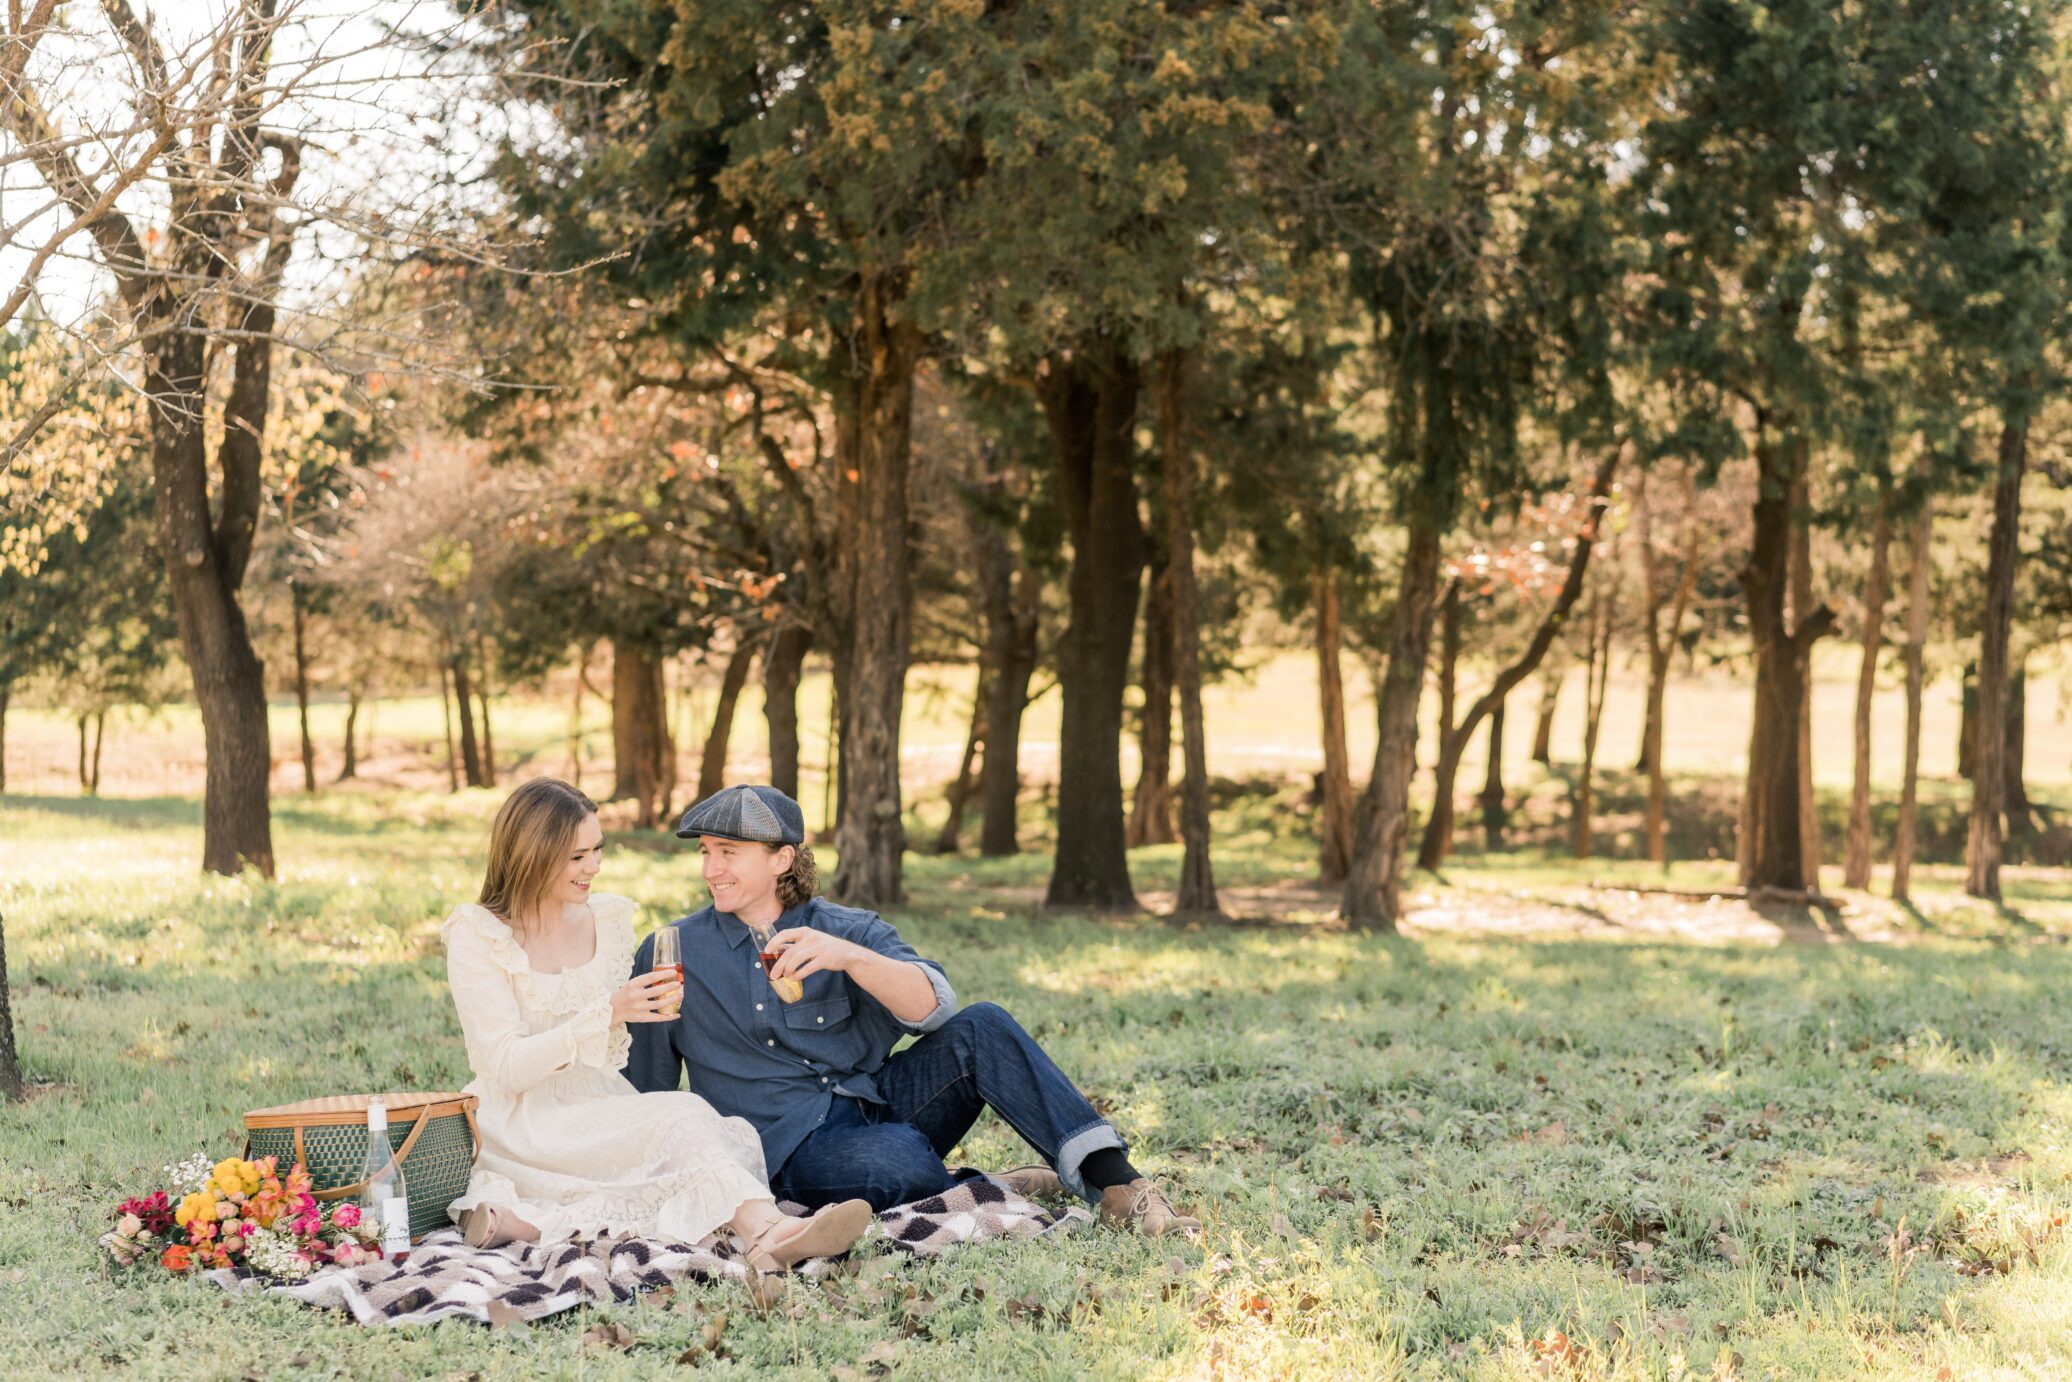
<point>403,1106</point>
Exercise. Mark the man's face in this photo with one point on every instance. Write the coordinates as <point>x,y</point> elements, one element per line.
<point>742,875</point>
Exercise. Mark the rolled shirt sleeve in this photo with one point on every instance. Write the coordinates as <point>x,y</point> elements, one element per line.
<point>879,935</point>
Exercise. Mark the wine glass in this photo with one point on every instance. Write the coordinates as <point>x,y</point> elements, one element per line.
<point>669,956</point>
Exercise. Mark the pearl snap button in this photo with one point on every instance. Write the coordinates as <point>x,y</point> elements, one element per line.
<point>758,1007</point>
<point>771,1042</point>
<point>820,1019</point>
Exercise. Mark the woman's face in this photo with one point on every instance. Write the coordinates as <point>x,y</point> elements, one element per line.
<point>742,876</point>
<point>584,858</point>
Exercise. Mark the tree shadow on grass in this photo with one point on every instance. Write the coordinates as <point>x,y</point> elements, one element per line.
<point>116,813</point>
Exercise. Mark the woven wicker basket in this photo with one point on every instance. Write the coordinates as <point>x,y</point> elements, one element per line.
<point>433,1135</point>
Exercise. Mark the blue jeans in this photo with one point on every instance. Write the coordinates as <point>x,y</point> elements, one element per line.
<point>934,1091</point>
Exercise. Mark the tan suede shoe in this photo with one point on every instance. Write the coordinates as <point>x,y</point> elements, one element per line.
<point>1141,1205</point>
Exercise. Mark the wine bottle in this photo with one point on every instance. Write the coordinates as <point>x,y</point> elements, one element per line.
<point>383,1198</point>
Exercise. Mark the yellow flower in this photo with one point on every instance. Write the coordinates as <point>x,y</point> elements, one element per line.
<point>200,1205</point>
<point>234,1177</point>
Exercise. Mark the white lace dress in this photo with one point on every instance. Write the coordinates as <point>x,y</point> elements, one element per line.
<point>567,1143</point>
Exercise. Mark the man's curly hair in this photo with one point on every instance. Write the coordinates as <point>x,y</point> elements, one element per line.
<point>800,883</point>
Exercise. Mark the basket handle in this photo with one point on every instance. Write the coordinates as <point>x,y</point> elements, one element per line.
<point>424,1116</point>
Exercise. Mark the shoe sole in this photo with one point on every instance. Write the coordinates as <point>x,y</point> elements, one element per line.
<point>833,1230</point>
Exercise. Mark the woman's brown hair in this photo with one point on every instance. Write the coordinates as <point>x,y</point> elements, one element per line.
<point>529,845</point>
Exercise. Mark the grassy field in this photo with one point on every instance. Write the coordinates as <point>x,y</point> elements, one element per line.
<point>1557,1129</point>
<point>1262,723</point>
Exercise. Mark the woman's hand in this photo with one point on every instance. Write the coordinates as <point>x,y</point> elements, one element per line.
<point>656,996</point>
<point>803,950</point>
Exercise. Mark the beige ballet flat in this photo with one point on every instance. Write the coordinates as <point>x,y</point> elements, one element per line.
<point>833,1229</point>
<point>486,1226</point>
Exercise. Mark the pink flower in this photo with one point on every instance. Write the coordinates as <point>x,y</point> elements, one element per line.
<point>129,1226</point>
<point>227,1210</point>
<point>346,1215</point>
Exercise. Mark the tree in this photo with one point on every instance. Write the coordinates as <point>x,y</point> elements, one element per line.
<point>207,276</point>
<point>1451,237</point>
<point>1455,736</point>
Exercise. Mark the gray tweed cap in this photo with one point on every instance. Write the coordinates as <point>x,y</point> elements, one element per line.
<point>760,815</point>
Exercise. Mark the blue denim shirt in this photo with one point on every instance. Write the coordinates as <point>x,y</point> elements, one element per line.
<point>752,1055</point>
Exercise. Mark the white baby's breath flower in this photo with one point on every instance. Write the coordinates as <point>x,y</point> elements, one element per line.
<point>191,1176</point>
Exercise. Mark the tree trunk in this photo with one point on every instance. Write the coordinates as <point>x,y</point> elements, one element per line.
<point>6,694</point>
<point>1012,613</point>
<point>1151,809</point>
<point>1453,740</point>
<point>784,662</point>
<point>1967,722</point>
<point>1543,726</point>
<point>1597,677</point>
<point>1091,407</point>
<point>1337,843</point>
<point>10,1062</point>
<point>1449,665</point>
<point>1774,844</point>
<point>352,731</point>
<point>309,752</point>
<point>2019,812</point>
<point>630,669</point>
<point>488,737</point>
<point>961,786</point>
<point>84,789</point>
<point>871,839</point>
<point>1196,896</point>
<point>640,709</point>
<point>712,766</point>
<point>1989,776</point>
<point>446,715</point>
<point>1801,602</point>
<point>205,565</point>
<point>1493,812</point>
<point>1917,639</point>
<point>1373,898</point>
<point>464,706</point>
<point>1661,647</point>
<point>1856,854</point>
<point>100,728</point>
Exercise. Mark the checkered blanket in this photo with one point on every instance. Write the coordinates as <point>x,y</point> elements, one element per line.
<point>444,1278</point>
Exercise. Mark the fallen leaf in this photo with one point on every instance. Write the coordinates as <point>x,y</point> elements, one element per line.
<point>880,1357</point>
<point>501,1315</point>
<point>1281,1228</point>
<point>608,1335</point>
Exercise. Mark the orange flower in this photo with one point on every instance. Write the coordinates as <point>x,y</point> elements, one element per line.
<point>178,1258</point>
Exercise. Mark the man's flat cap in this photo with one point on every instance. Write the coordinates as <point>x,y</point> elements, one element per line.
<point>760,815</point>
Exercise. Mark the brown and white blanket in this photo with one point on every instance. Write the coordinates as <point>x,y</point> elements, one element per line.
<point>444,1278</point>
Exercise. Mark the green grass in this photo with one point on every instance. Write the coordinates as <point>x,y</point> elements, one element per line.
<point>1414,1156</point>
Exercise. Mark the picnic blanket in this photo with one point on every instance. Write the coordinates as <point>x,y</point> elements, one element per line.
<point>444,1278</point>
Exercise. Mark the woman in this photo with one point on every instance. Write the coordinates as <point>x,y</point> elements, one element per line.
<point>569,1148</point>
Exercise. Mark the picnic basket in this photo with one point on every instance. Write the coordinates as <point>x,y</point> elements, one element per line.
<point>433,1135</point>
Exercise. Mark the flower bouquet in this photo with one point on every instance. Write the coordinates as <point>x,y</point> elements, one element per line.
<point>243,1215</point>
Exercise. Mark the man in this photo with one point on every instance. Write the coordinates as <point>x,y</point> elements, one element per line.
<point>840,1115</point>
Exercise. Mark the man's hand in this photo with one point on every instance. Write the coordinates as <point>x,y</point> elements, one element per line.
<point>803,950</point>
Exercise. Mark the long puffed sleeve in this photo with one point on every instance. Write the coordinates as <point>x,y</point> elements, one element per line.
<point>484,963</point>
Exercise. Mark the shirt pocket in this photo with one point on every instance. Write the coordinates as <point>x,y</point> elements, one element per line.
<point>825,1016</point>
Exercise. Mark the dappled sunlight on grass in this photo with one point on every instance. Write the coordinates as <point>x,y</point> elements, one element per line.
<point>1422,1155</point>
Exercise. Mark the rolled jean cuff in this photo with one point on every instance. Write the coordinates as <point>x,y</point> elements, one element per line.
<point>1077,1148</point>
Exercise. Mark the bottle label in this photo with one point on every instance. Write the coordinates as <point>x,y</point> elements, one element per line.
<point>395,1225</point>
